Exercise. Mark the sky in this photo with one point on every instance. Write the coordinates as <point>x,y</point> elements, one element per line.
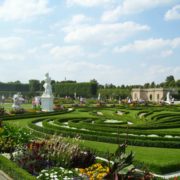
<point>112,41</point>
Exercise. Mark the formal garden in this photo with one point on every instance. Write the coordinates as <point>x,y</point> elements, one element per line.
<point>90,141</point>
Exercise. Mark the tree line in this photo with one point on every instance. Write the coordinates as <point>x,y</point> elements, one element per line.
<point>84,89</point>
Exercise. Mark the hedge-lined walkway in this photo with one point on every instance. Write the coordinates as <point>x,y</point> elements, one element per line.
<point>4,176</point>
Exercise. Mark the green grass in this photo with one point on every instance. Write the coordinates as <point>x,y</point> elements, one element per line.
<point>159,160</point>
<point>145,154</point>
<point>154,158</point>
<point>13,170</point>
<point>8,106</point>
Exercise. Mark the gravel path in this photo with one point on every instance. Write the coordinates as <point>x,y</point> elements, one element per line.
<point>4,176</point>
<point>170,175</point>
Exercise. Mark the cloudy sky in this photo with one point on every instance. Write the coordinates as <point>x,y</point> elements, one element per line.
<point>113,41</point>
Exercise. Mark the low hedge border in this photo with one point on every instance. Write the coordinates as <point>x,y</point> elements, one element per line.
<point>131,141</point>
<point>32,115</point>
<point>13,170</point>
<point>111,129</point>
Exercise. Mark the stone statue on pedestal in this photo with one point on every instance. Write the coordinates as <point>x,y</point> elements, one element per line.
<point>17,101</point>
<point>99,97</point>
<point>47,97</point>
<point>47,86</point>
<point>75,95</point>
<point>168,97</point>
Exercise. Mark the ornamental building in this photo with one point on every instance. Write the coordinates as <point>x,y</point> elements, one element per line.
<point>151,94</point>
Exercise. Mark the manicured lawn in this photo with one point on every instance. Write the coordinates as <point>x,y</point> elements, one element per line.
<point>158,160</point>
<point>8,106</point>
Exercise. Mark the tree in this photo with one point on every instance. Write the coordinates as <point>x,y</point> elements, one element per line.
<point>170,78</point>
<point>146,85</point>
<point>153,85</point>
<point>178,83</point>
<point>122,86</point>
<point>93,81</point>
<point>170,81</point>
<point>34,85</point>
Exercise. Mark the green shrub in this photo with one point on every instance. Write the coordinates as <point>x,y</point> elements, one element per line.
<point>13,170</point>
<point>2,111</point>
<point>12,137</point>
<point>32,157</point>
<point>42,154</point>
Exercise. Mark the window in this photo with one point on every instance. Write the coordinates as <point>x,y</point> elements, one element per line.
<point>135,96</point>
<point>150,97</point>
<point>157,96</point>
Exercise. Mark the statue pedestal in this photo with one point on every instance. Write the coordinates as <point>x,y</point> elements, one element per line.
<point>47,103</point>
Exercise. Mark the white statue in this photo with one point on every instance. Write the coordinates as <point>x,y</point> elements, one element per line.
<point>81,99</point>
<point>75,95</point>
<point>129,101</point>
<point>37,100</point>
<point>47,86</point>
<point>2,99</point>
<point>168,97</point>
<point>17,101</point>
<point>99,96</point>
<point>47,97</point>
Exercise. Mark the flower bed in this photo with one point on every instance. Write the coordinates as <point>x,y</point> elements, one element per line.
<point>57,158</point>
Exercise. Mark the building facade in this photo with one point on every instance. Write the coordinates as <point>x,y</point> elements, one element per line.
<point>151,94</point>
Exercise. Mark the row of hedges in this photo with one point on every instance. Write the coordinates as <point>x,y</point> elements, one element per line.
<point>85,89</point>
<point>32,115</point>
<point>100,130</point>
<point>139,130</point>
<point>13,170</point>
<point>50,129</point>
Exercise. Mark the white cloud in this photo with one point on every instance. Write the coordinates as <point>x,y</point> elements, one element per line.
<point>102,33</point>
<point>33,51</point>
<point>89,3</point>
<point>27,31</point>
<point>143,45</point>
<point>173,14</point>
<point>46,45</point>
<point>166,53</point>
<point>66,52</point>
<point>8,56</point>
<point>175,42</point>
<point>128,7</point>
<point>75,21</point>
<point>163,71</point>
<point>11,49</point>
<point>9,43</point>
<point>79,19</point>
<point>22,10</point>
<point>164,46</point>
<point>84,71</point>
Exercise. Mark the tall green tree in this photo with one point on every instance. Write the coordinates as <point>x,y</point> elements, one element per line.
<point>170,81</point>
<point>34,85</point>
<point>170,78</point>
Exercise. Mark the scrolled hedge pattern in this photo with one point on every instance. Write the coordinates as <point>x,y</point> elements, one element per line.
<point>157,128</point>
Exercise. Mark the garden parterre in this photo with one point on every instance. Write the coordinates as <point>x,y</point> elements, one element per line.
<point>89,125</point>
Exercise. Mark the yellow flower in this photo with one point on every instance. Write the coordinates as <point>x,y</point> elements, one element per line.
<point>95,172</point>
<point>81,170</point>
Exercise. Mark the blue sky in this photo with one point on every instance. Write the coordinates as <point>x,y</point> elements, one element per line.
<point>113,41</point>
